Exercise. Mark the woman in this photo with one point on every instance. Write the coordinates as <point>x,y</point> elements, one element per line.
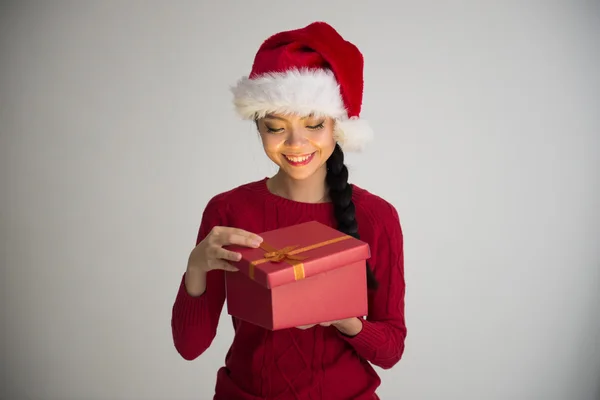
<point>304,94</point>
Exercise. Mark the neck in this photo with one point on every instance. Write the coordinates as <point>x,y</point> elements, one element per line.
<point>310,190</point>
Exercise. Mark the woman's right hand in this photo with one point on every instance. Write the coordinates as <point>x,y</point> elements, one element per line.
<point>209,254</point>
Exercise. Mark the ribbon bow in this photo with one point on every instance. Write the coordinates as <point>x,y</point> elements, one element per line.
<point>279,255</point>
<point>288,254</point>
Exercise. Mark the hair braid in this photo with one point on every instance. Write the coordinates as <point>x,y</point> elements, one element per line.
<point>341,196</point>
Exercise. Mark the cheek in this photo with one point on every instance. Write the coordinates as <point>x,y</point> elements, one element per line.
<point>324,141</point>
<point>272,143</point>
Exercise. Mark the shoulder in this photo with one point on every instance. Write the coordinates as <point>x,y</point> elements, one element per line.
<point>217,210</point>
<point>378,221</point>
<point>233,198</point>
<point>373,207</point>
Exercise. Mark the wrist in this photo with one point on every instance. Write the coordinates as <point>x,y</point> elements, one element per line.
<point>349,327</point>
<point>195,281</point>
<point>196,267</point>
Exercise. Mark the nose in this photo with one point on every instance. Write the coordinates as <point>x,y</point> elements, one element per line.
<point>296,138</point>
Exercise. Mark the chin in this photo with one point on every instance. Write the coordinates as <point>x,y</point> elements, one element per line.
<point>299,175</point>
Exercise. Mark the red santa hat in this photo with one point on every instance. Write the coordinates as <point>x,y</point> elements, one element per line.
<point>311,70</point>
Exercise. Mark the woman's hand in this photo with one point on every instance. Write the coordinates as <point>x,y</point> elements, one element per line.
<point>209,255</point>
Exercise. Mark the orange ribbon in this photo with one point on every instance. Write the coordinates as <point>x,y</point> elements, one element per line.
<point>288,254</point>
<point>275,255</point>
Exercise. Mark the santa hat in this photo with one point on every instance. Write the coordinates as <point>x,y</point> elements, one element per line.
<point>311,70</point>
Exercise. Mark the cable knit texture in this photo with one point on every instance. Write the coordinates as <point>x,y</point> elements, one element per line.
<point>317,363</point>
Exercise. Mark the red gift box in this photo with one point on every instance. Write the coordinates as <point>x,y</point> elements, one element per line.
<point>301,275</point>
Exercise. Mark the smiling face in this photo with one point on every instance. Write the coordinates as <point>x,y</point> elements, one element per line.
<point>300,146</point>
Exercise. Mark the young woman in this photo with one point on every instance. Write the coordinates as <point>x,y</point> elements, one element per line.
<point>304,94</point>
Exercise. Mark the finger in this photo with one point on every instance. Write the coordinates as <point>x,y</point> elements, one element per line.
<point>329,323</point>
<point>304,327</point>
<point>241,238</point>
<point>224,265</point>
<point>247,234</point>
<point>242,232</point>
<point>226,230</point>
<point>227,255</point>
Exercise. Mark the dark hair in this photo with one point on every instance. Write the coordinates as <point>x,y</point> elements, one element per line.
<point>340,192</point>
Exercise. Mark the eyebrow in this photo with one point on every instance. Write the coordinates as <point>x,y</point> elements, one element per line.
<point>271,116</point>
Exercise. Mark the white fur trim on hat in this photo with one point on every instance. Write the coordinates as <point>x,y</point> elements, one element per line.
<point>353,134</point>
<point>292,92</point>
<point>300,92</point>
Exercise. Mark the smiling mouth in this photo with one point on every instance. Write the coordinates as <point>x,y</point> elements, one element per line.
<point>299,160</point>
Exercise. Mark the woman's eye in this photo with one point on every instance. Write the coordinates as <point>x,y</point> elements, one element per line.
<point>316,127</point>
<point>273,130</point>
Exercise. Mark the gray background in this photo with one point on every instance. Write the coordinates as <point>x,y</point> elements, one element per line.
<point>117,127</point>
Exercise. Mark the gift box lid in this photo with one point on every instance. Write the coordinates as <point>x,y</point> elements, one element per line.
<point>298,252</point>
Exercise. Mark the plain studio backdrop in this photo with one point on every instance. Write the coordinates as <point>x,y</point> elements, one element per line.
<point>117,127</point>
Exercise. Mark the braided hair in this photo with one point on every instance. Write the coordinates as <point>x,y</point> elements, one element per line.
<point>340,192</point>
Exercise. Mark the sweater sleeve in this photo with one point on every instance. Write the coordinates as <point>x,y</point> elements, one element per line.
<point>194,319</point>
<point>381,340</point>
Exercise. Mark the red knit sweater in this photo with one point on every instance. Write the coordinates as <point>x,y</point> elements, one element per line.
<point>317,363</point>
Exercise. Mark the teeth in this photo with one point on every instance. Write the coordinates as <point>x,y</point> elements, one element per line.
<point>298,159</point>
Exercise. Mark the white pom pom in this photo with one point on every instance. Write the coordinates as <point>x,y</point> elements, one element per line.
<point>353,134</point>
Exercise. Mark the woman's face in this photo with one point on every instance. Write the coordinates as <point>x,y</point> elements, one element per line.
<point>298,145</point>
